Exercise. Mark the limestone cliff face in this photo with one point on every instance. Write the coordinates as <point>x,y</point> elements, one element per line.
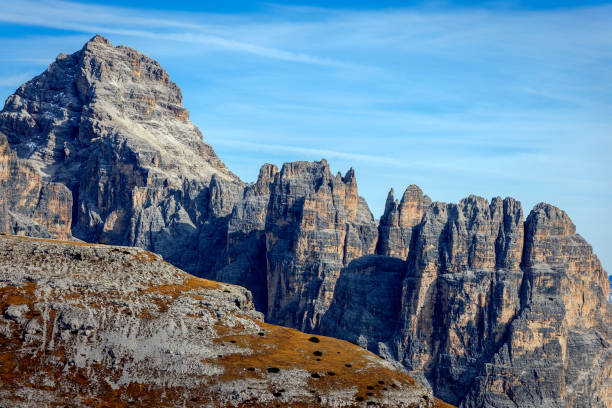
<point>493,311</point>
<point>28,205</point>
<point>564,331</point>
<point>399,221</point>
<point>291,234</point>
<point>107,122</point>
<point>316,224</point>
<point>558,348</point>
<point>452,271</point>
<point>484,307</point>
<point>370,292</point>
<point>245,253</point>
<point>85,325</point>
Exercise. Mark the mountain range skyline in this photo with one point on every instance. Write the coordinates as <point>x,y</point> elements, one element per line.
<point>477,305</point>
<point>426,98</point>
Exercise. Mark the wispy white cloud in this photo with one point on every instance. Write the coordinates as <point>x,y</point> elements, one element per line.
<point>467,35</point>
<point>112,20</point>
<point>497,164</point>
<point>322,153</point>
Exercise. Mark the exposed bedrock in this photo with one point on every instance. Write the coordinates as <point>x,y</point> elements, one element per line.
<point>29,205</point>
<point>484,307</point>
<point>85,325</point>
<point>107,122</point>
<point>494,311</point>
<point>293,231</point>
<point>399,220</point>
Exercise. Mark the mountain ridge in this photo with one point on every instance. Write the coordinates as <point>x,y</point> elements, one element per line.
<point>481,295</point>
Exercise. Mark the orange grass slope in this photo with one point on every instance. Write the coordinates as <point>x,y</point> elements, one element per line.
<point>102,326</point>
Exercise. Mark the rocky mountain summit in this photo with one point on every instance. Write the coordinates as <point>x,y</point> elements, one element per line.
<point>481,305</point>
<point>93,325</point>
<point>107,123</point>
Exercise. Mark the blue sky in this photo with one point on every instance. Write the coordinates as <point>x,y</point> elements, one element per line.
<point>489,98</point>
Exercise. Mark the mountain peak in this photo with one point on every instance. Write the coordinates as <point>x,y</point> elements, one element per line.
<point>104,91</point>
<point>111,116</point>
<point>98,39</point>
<point>476,302</point>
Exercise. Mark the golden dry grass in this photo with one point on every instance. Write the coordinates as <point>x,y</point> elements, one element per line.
<point>333,363</point>
<point>337,363</point>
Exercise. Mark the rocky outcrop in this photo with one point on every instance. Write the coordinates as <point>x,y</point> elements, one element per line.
<point>400,220</point>
<point>92,325</point>
<point>493,311</point>
<point>452,271</point>
<point>291,234</point>
<point>28,205</point>
<point>559,347</point>
<point>367,303</point>
<point>483,307</point>
<point>245,259</point>
<point>316,224</point>
<point>107,122</point>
